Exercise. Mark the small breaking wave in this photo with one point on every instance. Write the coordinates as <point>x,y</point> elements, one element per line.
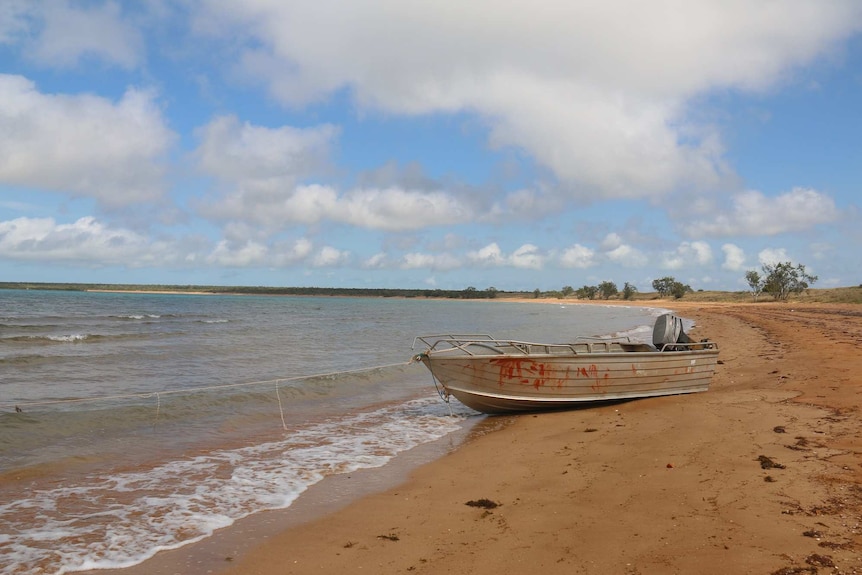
<point>71,338</point>
<point>180,502</point>
<point>59,338</point>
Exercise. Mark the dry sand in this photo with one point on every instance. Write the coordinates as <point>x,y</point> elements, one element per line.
<point>762,474</point>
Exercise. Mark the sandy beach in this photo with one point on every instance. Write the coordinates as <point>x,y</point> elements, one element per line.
<point>762,474</point>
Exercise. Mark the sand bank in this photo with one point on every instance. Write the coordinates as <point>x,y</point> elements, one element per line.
<point>762,474</point>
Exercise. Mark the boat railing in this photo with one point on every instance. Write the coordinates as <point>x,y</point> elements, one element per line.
<point>482,344</point>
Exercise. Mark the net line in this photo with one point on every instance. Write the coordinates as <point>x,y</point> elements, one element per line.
<point>191,390</point>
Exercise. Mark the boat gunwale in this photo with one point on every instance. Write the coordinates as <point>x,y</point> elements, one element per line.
<point>595,346</point>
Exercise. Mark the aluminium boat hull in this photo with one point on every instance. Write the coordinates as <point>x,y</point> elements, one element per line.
<point>505,383</point>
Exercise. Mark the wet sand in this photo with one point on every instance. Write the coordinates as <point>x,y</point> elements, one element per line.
<point>762,474</point>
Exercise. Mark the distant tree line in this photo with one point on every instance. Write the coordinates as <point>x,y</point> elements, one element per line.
<point>605,290</point>
<point>664,287</point>
<point>467,293</point>
<point>778,280</point>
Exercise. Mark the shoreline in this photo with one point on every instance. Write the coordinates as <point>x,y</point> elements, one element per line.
<point>332,494</point>
<point>650,486</point>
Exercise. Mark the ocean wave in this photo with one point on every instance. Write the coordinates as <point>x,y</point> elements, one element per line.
<point>74,338</point>
<point>183,501</point>
<point>22,326</point>
<point>28,359</point>
<point>60,338</point>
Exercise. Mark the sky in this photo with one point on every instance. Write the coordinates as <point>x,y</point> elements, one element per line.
<point>518,145</point>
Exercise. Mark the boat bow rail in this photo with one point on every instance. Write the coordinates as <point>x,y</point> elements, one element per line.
<point>484,344</point>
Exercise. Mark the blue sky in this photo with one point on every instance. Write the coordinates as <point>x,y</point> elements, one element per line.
<point>444,144</point>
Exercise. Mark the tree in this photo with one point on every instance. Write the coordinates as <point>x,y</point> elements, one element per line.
<point>536,293</point>
<point>587,292</point>
<point>680,289</point>
<point>664,286</point>
<point>492,292</point>
<point>667,286</point>
<point>568,290</point>
<point>783,279</point>
<point>629,291</point>
<point>608,289</point>
<point>755,282</point>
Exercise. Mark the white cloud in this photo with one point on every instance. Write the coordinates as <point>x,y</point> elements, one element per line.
<point>611,241</point>
<point>376,262</point>
<point>527,256</point>
<point>247,253</point>
<point>13,20</point>
<point>490,255</point>
<point>627,256</point>
<point>60,34</point>
<point>772,256</point>
<point>755,214</point>
<point>523,204</point>
<point>734,257</point>
<point>614,248</point>
<point>241,153</point>
<point>85,241</point>
<point>263,169</point>
<point>578,256</point>
<point>395,209</point>
<point>69,33</point>
<point>83,145</point>
<point>700,252</point>
<point>330,257</point>
<point>688,254</point>
<point>91,243</point>
<point>440,262</point>
<point>597,92</point>
<point>238,254</point>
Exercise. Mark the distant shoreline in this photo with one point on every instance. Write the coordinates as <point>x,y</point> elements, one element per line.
<point>157,292</point>
<point>844,295</point>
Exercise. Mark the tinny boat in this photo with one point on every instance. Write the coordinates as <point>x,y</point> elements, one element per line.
<point>506,376</point>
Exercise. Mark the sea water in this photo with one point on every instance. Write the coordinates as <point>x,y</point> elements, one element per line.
<point>132,423</point>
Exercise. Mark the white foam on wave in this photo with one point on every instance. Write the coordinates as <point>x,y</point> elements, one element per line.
<point>138,316</point>
<point>70,338</point>
<point>121,520</point>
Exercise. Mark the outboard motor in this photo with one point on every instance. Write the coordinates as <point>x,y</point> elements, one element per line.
<point>668,330</point>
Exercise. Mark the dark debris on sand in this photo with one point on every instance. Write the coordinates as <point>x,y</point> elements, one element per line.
<point>767,463</point>
<point>795,571</point>
<point>483,503</point>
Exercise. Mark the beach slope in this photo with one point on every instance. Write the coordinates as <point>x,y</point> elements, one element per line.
<point>762,474</point>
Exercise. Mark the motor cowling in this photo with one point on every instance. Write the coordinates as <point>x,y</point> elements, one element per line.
<point>668,330</point>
